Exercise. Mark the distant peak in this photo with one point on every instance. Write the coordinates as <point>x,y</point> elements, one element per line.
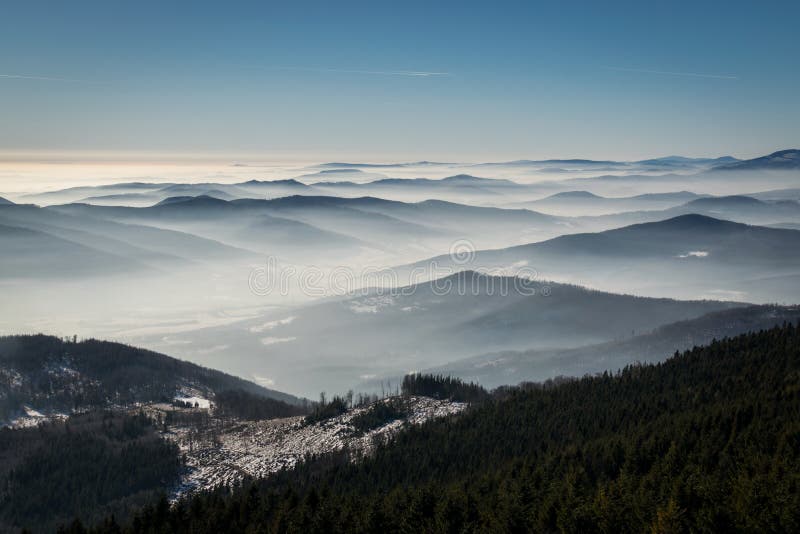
<point>267,183</point>
<point>738,200</point>
<point>470,179</point>
<point>200,200</point>
<point>574,194</point>
<point>788,159</point>
<point>690,221</point>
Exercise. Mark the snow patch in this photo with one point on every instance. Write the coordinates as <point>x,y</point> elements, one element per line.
<point>371,304</point>
<point>274,340</point>
<point>694,254</point>
<point>264,381</point>
<point>200,402</point>
<point>272,324</point>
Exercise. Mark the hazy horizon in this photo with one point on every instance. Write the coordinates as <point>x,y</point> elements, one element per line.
<point>32,172</point>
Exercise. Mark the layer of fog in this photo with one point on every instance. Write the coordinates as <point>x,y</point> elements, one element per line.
<point>202,282</point>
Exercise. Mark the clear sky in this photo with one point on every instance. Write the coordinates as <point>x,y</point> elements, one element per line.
<point>401,79</point>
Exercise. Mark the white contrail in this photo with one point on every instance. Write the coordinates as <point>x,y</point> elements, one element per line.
<point>45,78</point>
<point>411,73</point>
<point>671,73</point>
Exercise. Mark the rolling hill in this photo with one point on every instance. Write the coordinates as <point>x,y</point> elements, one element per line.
<point>336,343</point>
<point>581,203</point>
<point>48,374</point>
<point>510,367</point>
<point>399,228</point>
<point>703,441</point>
<point>782,160</point>
<point>31,254</point>
<point>688,256</point>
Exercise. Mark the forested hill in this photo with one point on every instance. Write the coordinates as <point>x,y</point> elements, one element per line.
<point>49,373</point>
<point>708,441</point>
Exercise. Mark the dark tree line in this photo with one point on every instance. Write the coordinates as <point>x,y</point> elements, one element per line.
<point>88,466</point>
<point>379,414</point>
<point>325,409</point>
<point>708,441</point>
<point>243,405</point>
<point>442,387</point>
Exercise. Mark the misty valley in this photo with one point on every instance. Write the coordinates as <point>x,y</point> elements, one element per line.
<point>405,347</point>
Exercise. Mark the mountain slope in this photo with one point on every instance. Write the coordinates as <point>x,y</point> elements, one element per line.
<point>581,203</point>
<point>510,367</point>
<point>336,343</point>
<point>685,256</point>
<point>92,465</point>
<point>706,441</point>
<point>781,160</point>
<point>29,254</point>
<point>402,228</point>
<point>52,375</point>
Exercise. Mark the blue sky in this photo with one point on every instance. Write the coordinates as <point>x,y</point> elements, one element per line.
<point>506,79</point>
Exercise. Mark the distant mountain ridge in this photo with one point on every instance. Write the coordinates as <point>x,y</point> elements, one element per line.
<point>666,238</point>
<point>780,160</point>
<point>684,256</point>
<point>497,369</point>
<point>402,328</point>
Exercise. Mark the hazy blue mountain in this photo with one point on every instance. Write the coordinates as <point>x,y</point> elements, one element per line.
<point>461,180</point>
<point>73,194</point>
<point>123,199</point>
<point>550,162</point>
<point>273,188</point>
<point>580,195</point>
<point>722,240</point>
<point>144,243</point>
<point>653,164</point>
<point>744,208</point>
<point>680,196</point>
<point>216,190</point>
<point>786,226</point>
<point>332,344</point>
<point>33,254</point>
<point>687,256</point>
<point>777,194</point>
<point>145,194</point>
<point>718,179</point>
<point>193,201</point>
<point>681,161</point>
<point>406,228</point>
<point>138,193</point>
<point>305,241</point>
<point>737,208</point>
<point>511,367</point>
<point>458,187</point>
<point>781,160</point>
<point>582,203</point>
<point>5,202</point>
<point>337,176</point>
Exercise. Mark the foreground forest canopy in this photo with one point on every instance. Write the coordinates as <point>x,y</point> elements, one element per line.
<point>708,441</point>
<point>91,464</point>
